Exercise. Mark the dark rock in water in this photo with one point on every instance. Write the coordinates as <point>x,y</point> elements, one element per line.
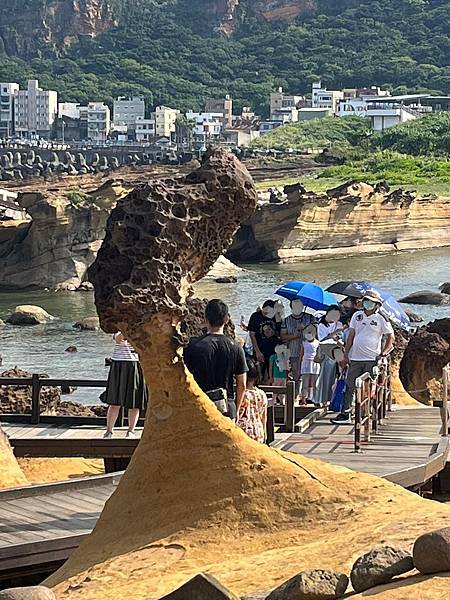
<point>413,317</point>
<point>427,353</point>
<point>68,389</point>
<point>314,584</point>
<point>201,587</point>
<point>88,324</point>
<point>431,552</point>
<point>71,349</point>
<point>86,286</point>
<point>379,566</point>
<point>230,279</point>
<point>16,399</point>
<point>426,297</point>
<point>444,288</point>
<point>28,593</point>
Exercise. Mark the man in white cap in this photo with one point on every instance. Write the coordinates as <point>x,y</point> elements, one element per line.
<point>370,337</point>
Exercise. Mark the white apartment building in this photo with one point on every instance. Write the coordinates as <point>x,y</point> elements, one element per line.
<point>35,111</point>
<point>284,107</point>
<point>383,113</point>
<point>323,98</point>
<point>165,118</point>
<point>7,93</point>
<point>145,129</point>
<point>69,109</point>
<point>98,117</point>
<point>208,126</point>
<point>126,111</point>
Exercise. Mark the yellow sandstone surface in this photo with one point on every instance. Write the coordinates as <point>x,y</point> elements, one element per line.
<point>199,495</point>
<point>48,470</point>
<point>11,474</point>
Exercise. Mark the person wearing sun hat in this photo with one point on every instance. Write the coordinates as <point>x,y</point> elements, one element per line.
<point>370,337</point>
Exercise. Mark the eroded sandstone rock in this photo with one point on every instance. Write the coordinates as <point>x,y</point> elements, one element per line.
<point>431,551</point>
<point>27,593</point>
<point>15,399</point>
<point>314,584</point>
<point>378,566</point>
<point>27,314</point>
<point>11,474</point>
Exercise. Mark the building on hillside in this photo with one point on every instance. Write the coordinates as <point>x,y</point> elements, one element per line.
<point>35,111</point>
<point>223,106</point>
<point>145,130</point>
<point>323,98</point>
<point>284,107</point>
<point>69,109</point>
<point>384,112</point>
<point>126,111</point>
<point>268,126</point>
<point>97,116</point>
<point>373,91</point>
<point>241,134</point>
<point>7,104</point>
<point>308,113</point>
<point>248,113</point>
<point>207,128</point>
<point>165,119</point>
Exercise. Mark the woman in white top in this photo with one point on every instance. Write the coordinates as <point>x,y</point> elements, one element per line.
<point>327,329</point>
<point>126,386</point>
<point>309,368</point>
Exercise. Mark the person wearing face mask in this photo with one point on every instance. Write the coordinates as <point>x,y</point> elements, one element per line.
<point>291,335</point>
<point>348,308</point>
<point>261,317</point>
<point>309,367</point>
<point>370,337</point>
<point>328,328</point>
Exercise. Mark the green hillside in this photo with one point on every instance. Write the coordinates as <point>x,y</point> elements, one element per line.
<point>170,52</point>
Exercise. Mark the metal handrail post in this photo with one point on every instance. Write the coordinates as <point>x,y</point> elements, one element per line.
<point>289,409</point>
<point>35,399</point>
<point>358,401</point>
<point>445,377</point>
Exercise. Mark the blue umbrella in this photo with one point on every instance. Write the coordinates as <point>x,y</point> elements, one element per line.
<point>390,308</point>
<point>312,295</point>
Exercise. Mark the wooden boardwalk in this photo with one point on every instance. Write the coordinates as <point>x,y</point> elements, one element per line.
<point>407,450</point>
<point>41,525</point>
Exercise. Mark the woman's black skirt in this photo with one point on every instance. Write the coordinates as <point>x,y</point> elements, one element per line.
<point>126,385</point>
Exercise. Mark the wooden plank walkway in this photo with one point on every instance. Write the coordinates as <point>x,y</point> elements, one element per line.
<point>41,525</point>
<point>408,449</point>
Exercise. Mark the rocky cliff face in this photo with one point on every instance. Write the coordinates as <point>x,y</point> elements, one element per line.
<point>27,27</point>
<point>355,218</point>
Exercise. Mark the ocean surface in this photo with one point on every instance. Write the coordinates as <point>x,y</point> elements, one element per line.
<point>41,349</point>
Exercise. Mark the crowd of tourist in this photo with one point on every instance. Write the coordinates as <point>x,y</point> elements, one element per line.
<point>323,353</point>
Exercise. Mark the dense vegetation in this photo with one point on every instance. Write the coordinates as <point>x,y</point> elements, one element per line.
<point>169,51</point>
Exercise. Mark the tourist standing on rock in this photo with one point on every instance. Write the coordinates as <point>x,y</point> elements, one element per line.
<point>126,386</point>
<point>217,362</point>
<point>252,413</point>
<point>328,329</point>
<point>291,334</point>
<point>370,337</point>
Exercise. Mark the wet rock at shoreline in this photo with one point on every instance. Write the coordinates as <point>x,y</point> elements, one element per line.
<point>16,399</point>
<point>413,317</point>
<point>87,324</point>
<point>27,314</point>
<point>230,279</point>
<point>201,587</point>
<point>379,566</point>
<point>426,297</point>
<point>313,584</point>
<point>432,551</point>
<point>71,349</point>
<point>444,288</point>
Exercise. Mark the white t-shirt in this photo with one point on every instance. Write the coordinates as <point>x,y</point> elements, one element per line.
<point>369,333</point>
<point>325,330</point>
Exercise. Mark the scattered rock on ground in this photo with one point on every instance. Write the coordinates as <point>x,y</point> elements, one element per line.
<point>432,551</point>
<point>379,566</point>
<point>426,297</point>
<point>87,324</point>
<point>28,314</point>
<point>16,399</point>
<point>444,288</point>
<point>28,593</point>
<point>413,317</point>
<point>201,587</point>
<point>314,584</point>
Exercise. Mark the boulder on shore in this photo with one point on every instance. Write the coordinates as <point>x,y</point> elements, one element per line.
<point>27,314</point>
<point>444,288</point>
<point>314,584</point>
<point>87,324</point>
<point>379,566</point>
<point>432,551</point>
<point>201,587</point>
<point>426,297</point>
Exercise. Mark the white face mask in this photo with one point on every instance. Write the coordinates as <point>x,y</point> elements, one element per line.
<point>332,317</point>
<point>309,337</point>
<point>268,312</point>
<point>297,307</point>
<point>369,304</point>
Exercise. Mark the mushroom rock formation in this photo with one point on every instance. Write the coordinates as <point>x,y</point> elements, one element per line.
<point>427,353</point>
<point>199,495</point>
<point>11,474</point>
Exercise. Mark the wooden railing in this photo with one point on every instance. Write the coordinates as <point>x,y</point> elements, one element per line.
<point>373,401</point>
<point>36,383</point>
<point>445,398</point>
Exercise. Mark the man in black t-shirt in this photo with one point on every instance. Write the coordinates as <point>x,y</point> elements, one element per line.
<point>260,318</point>
<point>215,361</point>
